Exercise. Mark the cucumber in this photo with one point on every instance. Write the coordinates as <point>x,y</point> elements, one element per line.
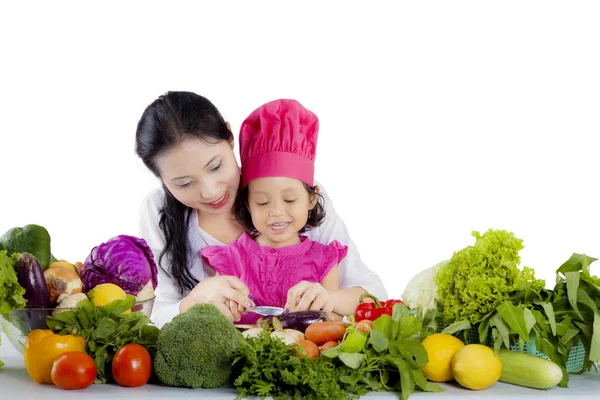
<point>528,370</point>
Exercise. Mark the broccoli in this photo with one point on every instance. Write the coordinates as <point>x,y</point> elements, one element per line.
<point>196,348</point>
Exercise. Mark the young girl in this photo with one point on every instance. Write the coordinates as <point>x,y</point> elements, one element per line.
<point>278,201</point>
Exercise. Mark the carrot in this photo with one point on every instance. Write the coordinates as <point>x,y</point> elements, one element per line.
<point>323,332</point>
<point>309,349</point>
<point>328,345</point>
<point>365,326</point>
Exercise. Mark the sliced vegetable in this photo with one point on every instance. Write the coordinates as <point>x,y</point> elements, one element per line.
<point>298,320</point>
<point>528,370</point>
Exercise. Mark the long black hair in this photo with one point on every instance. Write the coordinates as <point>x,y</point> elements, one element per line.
<point>171,119</point>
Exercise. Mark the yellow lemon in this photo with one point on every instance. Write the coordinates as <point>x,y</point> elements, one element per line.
<point>105,293</point>
<point>440,347</point>
<point>476,367</point>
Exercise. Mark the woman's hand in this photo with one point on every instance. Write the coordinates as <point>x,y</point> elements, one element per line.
<point>309,296</point>
<point>230,295</point>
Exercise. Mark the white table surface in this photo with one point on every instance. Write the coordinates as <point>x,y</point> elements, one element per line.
<point>15,384</point>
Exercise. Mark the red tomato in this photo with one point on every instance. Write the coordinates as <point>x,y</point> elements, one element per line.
<point>132,365</point>
<point>73,370</point>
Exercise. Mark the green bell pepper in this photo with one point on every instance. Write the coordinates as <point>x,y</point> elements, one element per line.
<point>33,239</point>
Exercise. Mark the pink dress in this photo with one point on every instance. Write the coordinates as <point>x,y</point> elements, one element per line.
<point>268,272</point>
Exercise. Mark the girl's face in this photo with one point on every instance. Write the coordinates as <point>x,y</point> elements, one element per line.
<point>279,209</point>
<point>201,175</point>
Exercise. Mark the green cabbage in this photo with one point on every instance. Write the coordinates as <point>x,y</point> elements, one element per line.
<point>478,278</point>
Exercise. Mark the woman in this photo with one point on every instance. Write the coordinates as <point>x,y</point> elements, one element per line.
<point>183,139</point>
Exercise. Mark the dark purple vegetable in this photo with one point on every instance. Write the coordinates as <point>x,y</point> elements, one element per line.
<point>31,277</point>
<point>298,320</point>
<point>126,261</point>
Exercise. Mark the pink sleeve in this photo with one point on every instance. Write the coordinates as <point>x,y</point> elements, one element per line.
<point>334,253</point>
<point>218,258</point>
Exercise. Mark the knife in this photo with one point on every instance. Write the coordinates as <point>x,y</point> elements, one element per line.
<point>267,310</point>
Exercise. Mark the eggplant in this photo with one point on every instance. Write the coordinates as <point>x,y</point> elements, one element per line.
<point>31,276</point>
<point>298,320</point>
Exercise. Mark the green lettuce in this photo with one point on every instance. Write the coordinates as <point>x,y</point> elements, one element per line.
<point>11,293</point>
<point>479,278</point>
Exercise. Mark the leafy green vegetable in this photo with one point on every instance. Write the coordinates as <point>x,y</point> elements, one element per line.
<point>391,360</point>
<point>554,320</point>
<point>105,329</point>
<point>266,367</point>
<point>11,292</point>
<point>479,278</point>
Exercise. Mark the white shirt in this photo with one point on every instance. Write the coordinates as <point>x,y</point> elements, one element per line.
<point>352,271</point>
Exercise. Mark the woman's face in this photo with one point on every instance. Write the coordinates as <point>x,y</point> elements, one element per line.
<point>201,175</point>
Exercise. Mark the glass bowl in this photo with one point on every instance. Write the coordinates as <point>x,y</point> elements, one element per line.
<point>18,323</point>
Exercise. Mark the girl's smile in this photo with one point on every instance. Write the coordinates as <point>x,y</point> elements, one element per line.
<point>279,227</point>
<point>279,208</point>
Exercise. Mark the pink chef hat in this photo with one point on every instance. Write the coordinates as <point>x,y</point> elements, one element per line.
<point>279,139</point>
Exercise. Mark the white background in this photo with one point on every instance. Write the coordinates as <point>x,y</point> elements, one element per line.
<point>437,118</point>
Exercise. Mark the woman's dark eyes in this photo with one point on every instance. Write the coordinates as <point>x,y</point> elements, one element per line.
<point>262,204</point>
<point>290,201</point>
<point>216,167</point>
<point>184,184</point>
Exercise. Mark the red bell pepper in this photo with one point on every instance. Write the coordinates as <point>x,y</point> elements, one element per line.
<point>375,309</point>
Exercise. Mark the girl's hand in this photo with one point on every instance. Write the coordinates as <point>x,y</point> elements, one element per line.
<point>230,295</point>
<point>309,296</point>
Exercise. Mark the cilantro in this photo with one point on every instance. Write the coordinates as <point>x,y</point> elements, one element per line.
<point>105,329</point>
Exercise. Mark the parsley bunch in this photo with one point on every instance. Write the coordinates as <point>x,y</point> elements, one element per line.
<point>266,367</point>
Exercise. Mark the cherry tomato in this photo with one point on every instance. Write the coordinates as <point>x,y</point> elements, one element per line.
<point>132,365</point>
<point>73,370</point>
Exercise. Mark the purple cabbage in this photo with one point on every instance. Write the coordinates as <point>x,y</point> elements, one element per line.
<point>126,261</point>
